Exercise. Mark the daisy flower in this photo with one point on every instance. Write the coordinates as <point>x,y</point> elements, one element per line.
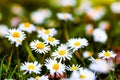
<point>89,29</point>
<point>15,36</point>
<point>39,78</point>
<point>31,67</point>
<point>51,40</point>
<point>67,2</point>
<point>54,66</point>
<point>105,25</point>
<point>65,16</point>
<point>101,66</point>
<point>62,53</point>
<point>106,54</point>
<point>26,26</point>
<point>99,35</point>
<point>82,74</point>
<point>40,47</point>
<point>115,7</point>
<point>47,32</point>
<point>73,67</point>
<point>3,30</point>
<point>87,54</point>
<point>77,43</point>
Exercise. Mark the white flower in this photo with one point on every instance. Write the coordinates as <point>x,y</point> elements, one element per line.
<point>96,13</point>
<point>115,7</point>
<point>99,35</point>
<point>105,25</point>
<point>106,54</point>
<point>39,78</point>
<point>54,66</point>
<point>87,54</point>
<point>39,16</point>
<point>82,74</point>
<point>47,32</point>
<point>89,29</point>
<point>51,40</point>
<point>40,47</point>
<point>101,66</point>
<point>77,43</point>
<point>67,2</point>
<point>3,30</point>
<point>15,36</point>
<point>31,67</point>
<point>73,67</point>
<point>28,27</point>
<point>62,52</point>
<point>64,16</point>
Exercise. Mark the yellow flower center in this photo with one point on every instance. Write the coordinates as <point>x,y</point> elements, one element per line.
<point>37,77</point>
<point>73,68</point>
<point>26,24</point>
<point>31,67</point>
<point>40,28</point>
<point>77,43</point>
<point>90,53</point>
<point>56,66</point>
<point>82,76</point>
<point>65,16</point>
<point>40,45</point>
<point>51,39</point>
<point>107,54</point>
<point>16,34</point>
<point>62,52</point>
<point>47,31</point>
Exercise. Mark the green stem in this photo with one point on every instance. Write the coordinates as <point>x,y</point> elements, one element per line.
<point>17,54</point>
<point>65,31</point>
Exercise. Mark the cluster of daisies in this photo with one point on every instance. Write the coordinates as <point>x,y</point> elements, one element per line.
<point>55,63</point>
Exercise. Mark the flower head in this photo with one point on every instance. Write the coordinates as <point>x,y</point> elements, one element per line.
<point>43,77</point>
<point>73,67</point>
<point>77,43</point>
<point>87,54</point>
<point>40,47</point>
<point>115,7</point>
<point>64,16</point>
<point>31,67</point>
<point>15,36</point>
<point>3,30</point>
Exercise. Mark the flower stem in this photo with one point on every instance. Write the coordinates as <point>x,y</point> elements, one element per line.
<point>65,31</point>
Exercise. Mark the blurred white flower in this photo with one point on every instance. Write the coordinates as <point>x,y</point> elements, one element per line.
<point>76,43</point>
<point>3,30</point>
<point>73,67</point>
<point>15,36</point>
<point>100,35</point>
<point>115,7</point>
<point>40,47</point>
<point>67,2</point>
<point>15,21</point>
<point>26,26</point>
<point>43,77</point>
<point>31,67</point>
<point>96,13</point>
<point>104,25</point>
<point>39,16</point>
<point>62,53</point>
<point>64,16</point>
<point>106,54</point>
<point>89,29</point>
<point>87,54</point>
<point>101,66</point>
<point>54,66</point>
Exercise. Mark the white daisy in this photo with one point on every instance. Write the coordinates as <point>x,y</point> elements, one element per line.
<point>67,2</point>
<point>87,54</point>
<point>115,7</point>
<point>31,67</point>
<point>28,27</point>
<point>77,43</point>
<point>106,54</point>
<point>43,77</point>
<point>73,67</point>
<point>54,66</point>
<point>101,66</point>
<point>51,40</point>
<point>40,47</point>
<point>3,30</point>
<point>82,74</point>
<point>64,16</point>
<point>62,53</point>
<point>96,13</point>
<point>47,32</point>
<point>99,35</point>
<point>15,36</point>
